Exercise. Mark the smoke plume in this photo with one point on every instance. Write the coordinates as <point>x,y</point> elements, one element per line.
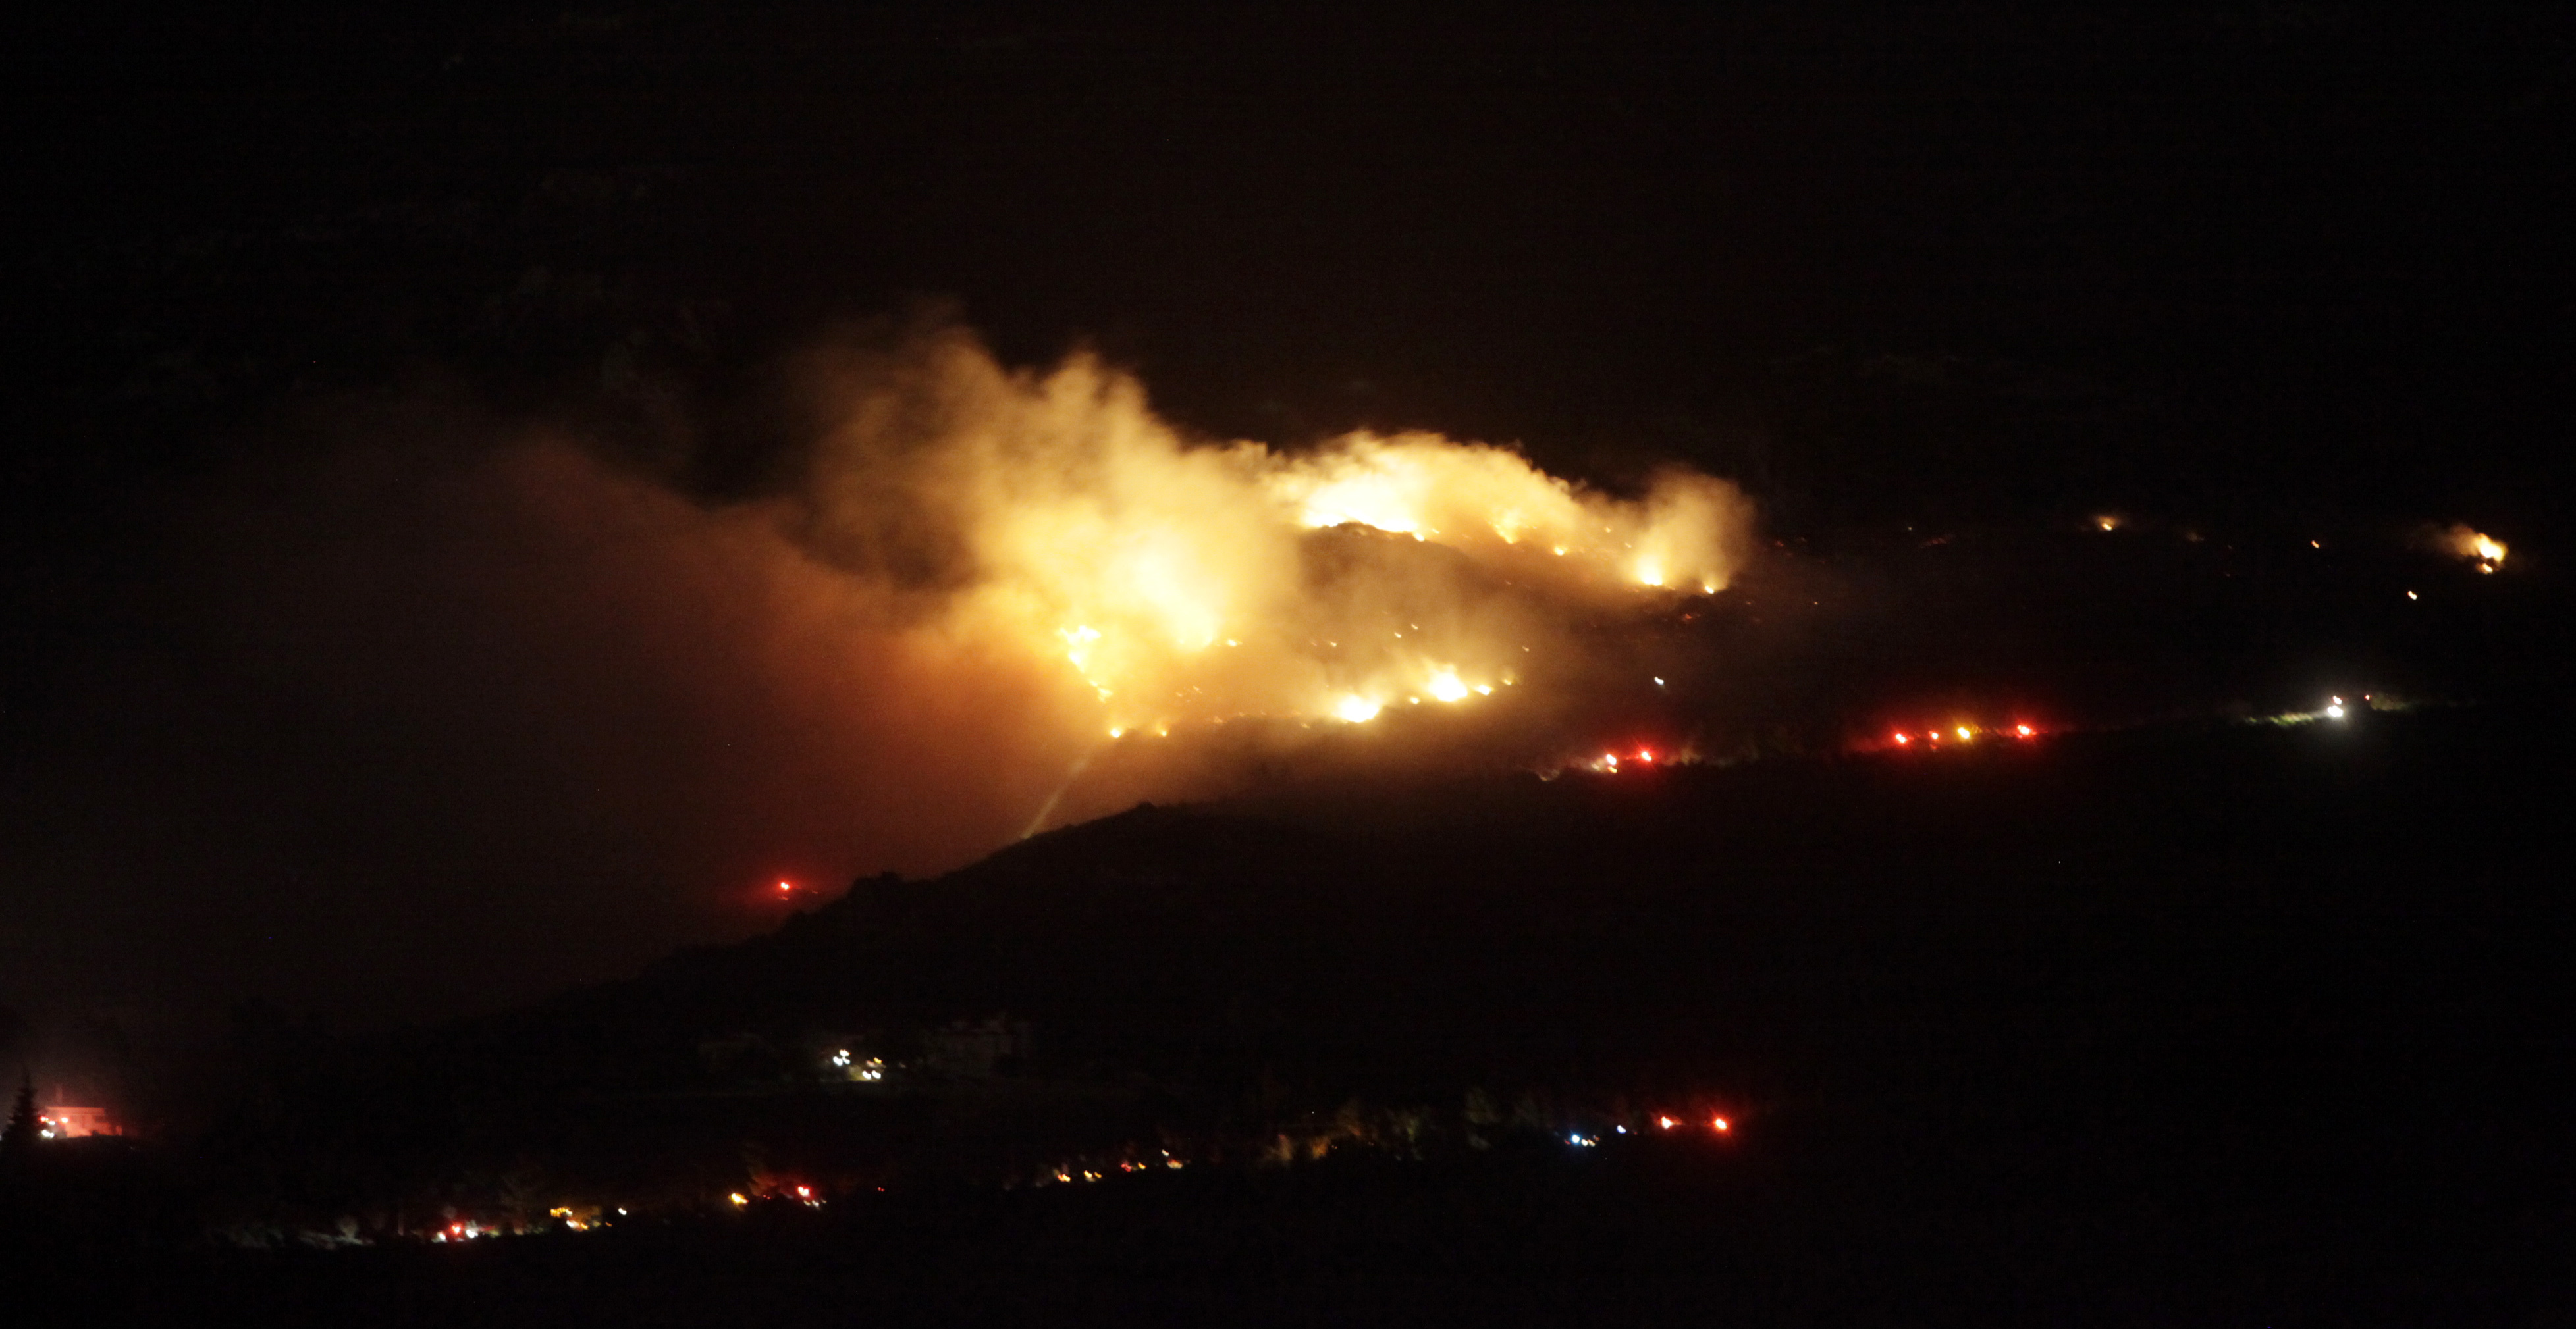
<point>514,711</point>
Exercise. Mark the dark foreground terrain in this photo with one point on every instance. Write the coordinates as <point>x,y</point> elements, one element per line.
<point>1801,1234</point>
<point>2233,1025</point>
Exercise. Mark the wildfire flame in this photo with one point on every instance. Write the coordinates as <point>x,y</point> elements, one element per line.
<point>2465,541</point>
<point>1054,515</point>
<point>972,601</point>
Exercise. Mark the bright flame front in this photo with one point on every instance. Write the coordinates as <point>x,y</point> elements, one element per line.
<point>1055,518</point>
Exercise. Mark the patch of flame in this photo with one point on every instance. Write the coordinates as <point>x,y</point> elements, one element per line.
<point>1054,517</point>
<point>2465,541</point>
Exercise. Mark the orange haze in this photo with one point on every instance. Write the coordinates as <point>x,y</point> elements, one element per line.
<point>542,713</point>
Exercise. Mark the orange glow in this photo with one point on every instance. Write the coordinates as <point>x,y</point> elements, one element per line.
<point>1356,710</point>
<point>784,888</point>
<point>984,578</point>
<point>1902,739</point>
<point>2465,541</point>
<point>1646,756</point>
<point>1168,579</point>
<point>2023,730</point>
<point>1719,1124</point>
<point>1666,1122</point>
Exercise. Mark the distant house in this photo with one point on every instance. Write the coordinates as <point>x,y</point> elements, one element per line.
<point>957,1049</point>
<point>65,1121</point>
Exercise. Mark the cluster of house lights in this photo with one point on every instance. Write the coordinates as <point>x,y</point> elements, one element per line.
<point>1592,1140</point>
<point>567,1218</point>
<point>1966,733</point>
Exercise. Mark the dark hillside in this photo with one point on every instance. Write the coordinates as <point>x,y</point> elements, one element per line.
<point>2216,1022</point>
<point>2225,948</point>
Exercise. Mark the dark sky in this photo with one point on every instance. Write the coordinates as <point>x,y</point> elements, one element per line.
<point>283,277</point>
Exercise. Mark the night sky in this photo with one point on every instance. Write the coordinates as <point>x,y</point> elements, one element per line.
<point>319,690</point>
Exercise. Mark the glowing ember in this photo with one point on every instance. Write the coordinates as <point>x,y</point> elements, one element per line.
<point>2023,730</point>
<point>1446,687</point>
<point>1356,709</point>
<point>1719,1124</point>
<point>1965,733</point>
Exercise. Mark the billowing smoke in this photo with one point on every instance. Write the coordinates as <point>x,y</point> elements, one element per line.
<point>1054,519</point>
<point>451,723</point>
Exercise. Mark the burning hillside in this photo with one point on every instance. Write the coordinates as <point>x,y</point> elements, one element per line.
<point>1147,581</point>
<point>531,679</point>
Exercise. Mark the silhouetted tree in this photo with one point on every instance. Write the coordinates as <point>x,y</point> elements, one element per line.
<point>21,1134</point>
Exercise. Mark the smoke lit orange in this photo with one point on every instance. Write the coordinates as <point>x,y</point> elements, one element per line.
<point>2468,542</point>
<point>1176,581</point>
